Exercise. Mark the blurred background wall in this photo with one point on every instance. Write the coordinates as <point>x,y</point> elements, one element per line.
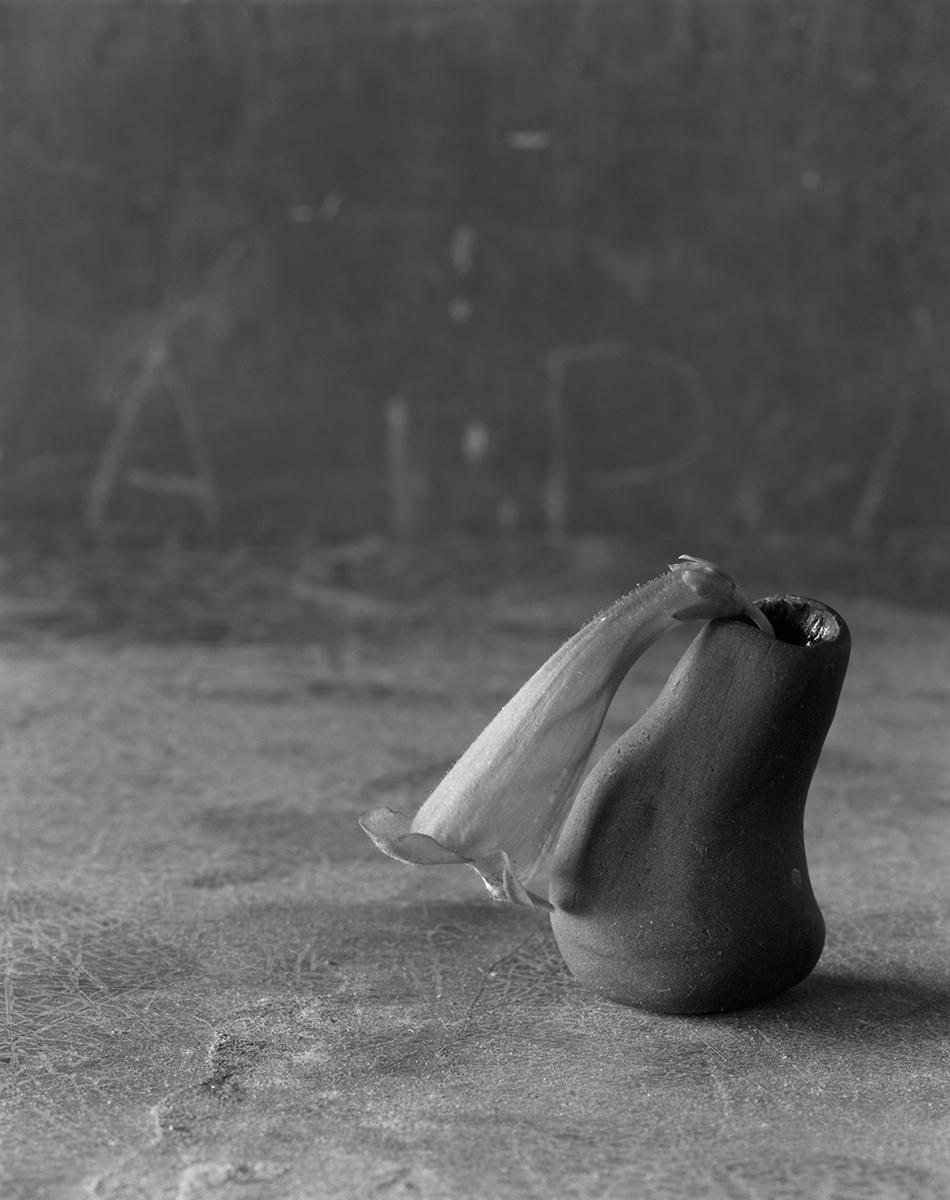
<point>512,266</point>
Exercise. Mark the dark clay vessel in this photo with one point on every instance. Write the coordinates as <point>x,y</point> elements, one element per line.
<point>679,881</point>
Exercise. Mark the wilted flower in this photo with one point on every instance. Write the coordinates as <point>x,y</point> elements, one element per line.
<point>501,807</point>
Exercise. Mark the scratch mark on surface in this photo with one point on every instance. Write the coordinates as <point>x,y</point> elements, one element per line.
<point>491,972</point>
<point>713,1061</point>
<point>787,1059</point>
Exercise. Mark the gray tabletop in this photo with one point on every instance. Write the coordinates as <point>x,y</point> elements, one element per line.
<point>216,987</point>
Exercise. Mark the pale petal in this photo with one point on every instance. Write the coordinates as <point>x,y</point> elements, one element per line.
<point>501,807</point>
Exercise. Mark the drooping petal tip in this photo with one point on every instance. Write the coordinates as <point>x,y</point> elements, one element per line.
<point>392,832</point>
<point>503,884</point>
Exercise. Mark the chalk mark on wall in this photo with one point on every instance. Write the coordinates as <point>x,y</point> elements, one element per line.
<point>151,358</point>
<point>880,476</point>
<point>557,364</point>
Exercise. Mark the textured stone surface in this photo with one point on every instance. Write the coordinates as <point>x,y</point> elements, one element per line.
<point>215,987</point>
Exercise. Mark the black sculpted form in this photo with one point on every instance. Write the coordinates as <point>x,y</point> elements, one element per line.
<point>679,882</point>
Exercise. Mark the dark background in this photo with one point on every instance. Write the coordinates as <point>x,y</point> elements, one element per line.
<point>608,267</point>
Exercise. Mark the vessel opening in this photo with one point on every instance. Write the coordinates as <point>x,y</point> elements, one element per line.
<point>801,621</point>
